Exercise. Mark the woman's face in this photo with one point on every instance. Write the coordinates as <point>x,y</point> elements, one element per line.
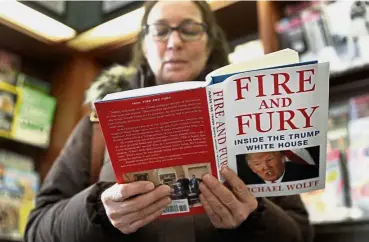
<point>175,60</point>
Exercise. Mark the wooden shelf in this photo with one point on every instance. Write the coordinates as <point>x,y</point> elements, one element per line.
<point>21,144</point>
<point>4,239</point>
<point>353,82</point>
<point>24,149</point>
<point>342,231</point>
<point>344,226</point>
<point>29,47</point>
<point>354,73</point>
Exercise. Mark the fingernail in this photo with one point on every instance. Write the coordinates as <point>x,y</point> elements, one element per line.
<point>207,178</point>
<point>150,186</point>
<point>168,187</point>
<point>201,185</point>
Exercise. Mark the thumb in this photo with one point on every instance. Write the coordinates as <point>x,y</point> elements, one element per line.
<point>121,192</point>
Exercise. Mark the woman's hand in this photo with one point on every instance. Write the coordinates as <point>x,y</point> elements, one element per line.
<point>226,207</point>
<point>132,206</point>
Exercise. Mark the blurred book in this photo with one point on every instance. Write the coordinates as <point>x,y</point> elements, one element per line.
<point>328,204</point>
<point>24,80</point>
<point>358,152</point>
<point>348,28</point>
<point>292,35</point>
<point>315,31</point>
<point>20,187</point>
<point>8,104</point>
<point>338,127</point>
<point>34,117</point>
<point>334,31</point>
<point>21,184</point>
<point>9,66</point>
<point>17,161</point>
<point>9,217</point>
<point>359,107</point>
<point>304,30</point>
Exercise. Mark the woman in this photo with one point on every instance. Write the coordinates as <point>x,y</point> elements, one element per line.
<point>173,46</point>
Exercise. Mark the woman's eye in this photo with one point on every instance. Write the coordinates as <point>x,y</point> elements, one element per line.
<point>191,30</point>
<point>160,30</point>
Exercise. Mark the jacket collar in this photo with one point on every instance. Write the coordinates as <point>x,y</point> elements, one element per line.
<point>145,78</point>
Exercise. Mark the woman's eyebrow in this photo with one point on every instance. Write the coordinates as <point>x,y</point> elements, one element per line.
<point>189,20</point>
<point>158,21</point>
<point>165,21</point>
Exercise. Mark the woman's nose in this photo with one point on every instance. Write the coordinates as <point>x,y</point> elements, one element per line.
<point>174,40</point>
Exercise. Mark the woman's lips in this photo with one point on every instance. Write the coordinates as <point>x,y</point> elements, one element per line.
<point>175,63</point>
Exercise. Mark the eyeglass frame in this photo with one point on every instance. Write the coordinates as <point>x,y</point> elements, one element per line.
<point>146,27</point>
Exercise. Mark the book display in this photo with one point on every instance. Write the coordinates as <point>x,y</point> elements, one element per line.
<point>26,118</point>
<point>311,28</point>
<point>358,155</point>
<point>18,186</point>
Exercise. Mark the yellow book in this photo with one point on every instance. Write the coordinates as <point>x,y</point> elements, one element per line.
<point>9,100</point>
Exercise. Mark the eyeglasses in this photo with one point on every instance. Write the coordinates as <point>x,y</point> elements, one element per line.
<point>188,31</point>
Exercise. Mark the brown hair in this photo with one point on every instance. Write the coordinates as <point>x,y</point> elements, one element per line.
<point>217,42</point>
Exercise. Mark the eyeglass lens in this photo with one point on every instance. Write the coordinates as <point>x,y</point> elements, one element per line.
<point>187,31</point>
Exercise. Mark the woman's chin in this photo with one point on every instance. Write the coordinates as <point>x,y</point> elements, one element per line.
<point>177,77</point>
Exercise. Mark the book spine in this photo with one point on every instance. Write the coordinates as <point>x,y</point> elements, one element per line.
<point>215,95</point>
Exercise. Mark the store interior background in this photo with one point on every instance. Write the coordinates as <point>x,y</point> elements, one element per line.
<point>50,53</point>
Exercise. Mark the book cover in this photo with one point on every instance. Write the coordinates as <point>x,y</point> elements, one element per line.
<point>24,80</point>
<point>358,152</point>
<point>20,187</point>
<point>9,66</point>
<point>328,204</point>
<point>8,105</point>
<point>265,119</point>
<point>17,161</point>
<point>338,126</point>
<point>291,34</point>
<point>9,209</point>
<point>34,117</point>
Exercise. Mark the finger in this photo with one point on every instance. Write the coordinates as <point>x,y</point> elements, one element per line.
<point>139,224</point>
<point>144,200</point>
<point>216,205</point>
<point>143,213</point>
<point>213,216</point>
<point>237,186</point>
<point>120,192</point>
<point>222,193</point>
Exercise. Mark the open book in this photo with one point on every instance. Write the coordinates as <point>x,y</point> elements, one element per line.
<point>266,119</point>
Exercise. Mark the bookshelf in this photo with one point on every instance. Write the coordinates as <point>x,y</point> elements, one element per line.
<point>9,240</point>
<point>70,73</point>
